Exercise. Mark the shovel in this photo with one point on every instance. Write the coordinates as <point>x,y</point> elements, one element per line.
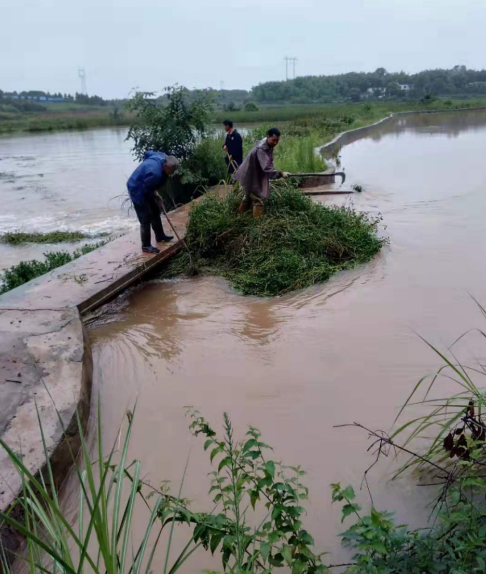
<point>339,173</point>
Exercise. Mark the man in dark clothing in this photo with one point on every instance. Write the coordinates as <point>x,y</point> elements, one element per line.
<point>142,186</point>
<point>256,171</point>
<point>233,146</point>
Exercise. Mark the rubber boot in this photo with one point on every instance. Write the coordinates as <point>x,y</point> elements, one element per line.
<point>245,205</point>
<point>258,210</point>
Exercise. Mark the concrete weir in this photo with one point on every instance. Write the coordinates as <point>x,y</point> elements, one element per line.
<point>45,355</point>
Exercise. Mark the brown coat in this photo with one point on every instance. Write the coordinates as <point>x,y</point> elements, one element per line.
<point>257,169</point>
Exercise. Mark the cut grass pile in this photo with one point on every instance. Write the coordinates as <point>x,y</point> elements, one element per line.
<point>25,271</point>
<point>19,237</point>
<point>296,244</point>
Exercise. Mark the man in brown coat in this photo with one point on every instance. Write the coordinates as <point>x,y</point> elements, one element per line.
<point>256,171</point>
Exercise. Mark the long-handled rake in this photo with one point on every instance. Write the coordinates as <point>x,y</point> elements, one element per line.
<point>192,269</point>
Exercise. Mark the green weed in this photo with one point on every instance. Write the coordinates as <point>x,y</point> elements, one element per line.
<point>25,271</point>
<point>296,244</point>
<point>19,237</point>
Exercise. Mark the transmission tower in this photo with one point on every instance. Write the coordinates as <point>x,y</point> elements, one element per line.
<point>294,62</point>
<point>287,60</point>
<point>82,77</point>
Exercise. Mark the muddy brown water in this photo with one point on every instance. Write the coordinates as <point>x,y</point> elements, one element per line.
<point>340,352</point>
<point>347,350</point>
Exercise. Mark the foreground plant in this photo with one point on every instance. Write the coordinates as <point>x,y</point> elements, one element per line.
<point>453,464</point>
<point>110,488</point>
<point>103,541</point>
<point>245,479</point>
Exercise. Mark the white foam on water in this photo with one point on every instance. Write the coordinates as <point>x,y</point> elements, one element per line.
<point>59,222</point>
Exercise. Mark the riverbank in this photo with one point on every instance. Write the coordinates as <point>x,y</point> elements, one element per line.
<point>88,117</point>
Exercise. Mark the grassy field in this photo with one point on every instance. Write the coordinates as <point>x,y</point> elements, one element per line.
<point>291,113</point>
<point>72,116</point>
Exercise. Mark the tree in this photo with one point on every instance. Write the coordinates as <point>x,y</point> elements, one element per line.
<point>355,94</point>
<point>251,107</point>
<point>393,90</point>
<point>170,124</point>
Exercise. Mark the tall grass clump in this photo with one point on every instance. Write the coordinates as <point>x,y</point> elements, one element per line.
<point>25,271</point>
<point>298,154</point>
<point>296,244</point>
<point>446,447</point>
<point>103,541</point>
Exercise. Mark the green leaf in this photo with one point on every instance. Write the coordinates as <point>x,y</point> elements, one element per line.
<point>215,540</point>
<point>253,454</point>
<point>265,550</point>
<point>348,509</point>
<point>225,462</point>
<point>208,443</point>
<point>215,452</point>
<point>348,493</point>
<point>274,536</point>
<point>270,468</point>
<point>379,547</point>
<point>249,444</point>
<point>254,496</point>
<point>287,554</point>
<point>306,538</point>
<point>298,567</point>
<point>267,481</point>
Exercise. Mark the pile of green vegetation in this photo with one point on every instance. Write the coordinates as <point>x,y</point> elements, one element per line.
<point>25,271</point>
<point>296,244</point>
<point>19,237</point>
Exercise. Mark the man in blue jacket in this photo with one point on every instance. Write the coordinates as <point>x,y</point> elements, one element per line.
<point>142,186</point>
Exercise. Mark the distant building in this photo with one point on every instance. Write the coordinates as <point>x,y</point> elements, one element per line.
<point>376,90</point>
<point>405,87</point>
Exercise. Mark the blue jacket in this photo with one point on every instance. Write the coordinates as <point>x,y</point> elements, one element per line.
<point>148,176</point>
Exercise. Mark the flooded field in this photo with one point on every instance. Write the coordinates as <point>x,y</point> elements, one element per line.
<point>344,351</point>
<point>67,181</point>
<point>73,181</point>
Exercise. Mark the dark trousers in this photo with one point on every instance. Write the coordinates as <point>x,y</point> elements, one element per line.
<point>148,214</point>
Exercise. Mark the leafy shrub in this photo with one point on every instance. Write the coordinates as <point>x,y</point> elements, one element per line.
<point>171,124</point>
<point>251,107</point>
<point>206,165</point>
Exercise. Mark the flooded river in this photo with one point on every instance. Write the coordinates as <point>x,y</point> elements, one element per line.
<point>344,351</point>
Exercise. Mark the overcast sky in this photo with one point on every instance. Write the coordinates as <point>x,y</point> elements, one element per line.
<point>149,44</point>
